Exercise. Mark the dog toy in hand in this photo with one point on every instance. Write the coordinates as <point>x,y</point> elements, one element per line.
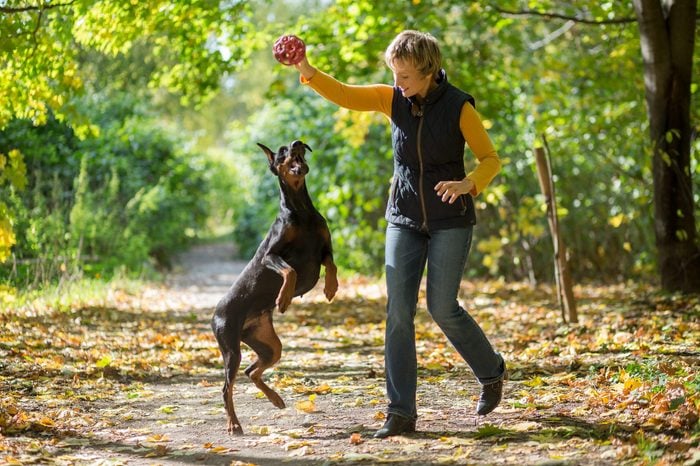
<point>289,50</point>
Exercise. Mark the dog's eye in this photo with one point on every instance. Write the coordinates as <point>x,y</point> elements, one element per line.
<point>281,154</point>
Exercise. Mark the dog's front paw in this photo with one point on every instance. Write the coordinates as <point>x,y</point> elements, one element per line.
<point>283,301</point>
<point>284,298</point>
<point>330,288</point>
<point>330,292</point>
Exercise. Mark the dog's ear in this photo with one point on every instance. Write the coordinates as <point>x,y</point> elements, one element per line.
<point>307,147</point>
<point>270,156</point>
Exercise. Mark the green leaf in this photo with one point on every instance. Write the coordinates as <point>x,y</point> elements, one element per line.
<point>104,362</point>
<point>489,430</point>
<point>676,402</point>
<point>168,409</point>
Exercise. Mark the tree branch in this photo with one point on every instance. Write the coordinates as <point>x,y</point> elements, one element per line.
<point>552,36</point>
<point>40,9</point>
<point>576,19</point>
<point>610,160</point>
<point>24,9</point>
<point>36,31</point>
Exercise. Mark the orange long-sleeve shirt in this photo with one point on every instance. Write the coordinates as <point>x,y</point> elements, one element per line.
<point>378,97</point>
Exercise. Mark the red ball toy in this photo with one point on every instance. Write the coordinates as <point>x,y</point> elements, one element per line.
<point>289,50</point>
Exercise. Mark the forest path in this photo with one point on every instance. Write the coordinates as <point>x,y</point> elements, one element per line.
<point>136,379</point>
<point>331,380</point>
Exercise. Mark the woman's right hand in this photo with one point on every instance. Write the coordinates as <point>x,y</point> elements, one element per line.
<point>305,68</point>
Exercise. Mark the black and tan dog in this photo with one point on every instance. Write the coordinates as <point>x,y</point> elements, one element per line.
<point>286,264</point>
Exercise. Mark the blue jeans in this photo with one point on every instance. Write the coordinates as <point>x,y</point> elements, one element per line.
<point>445,252</point>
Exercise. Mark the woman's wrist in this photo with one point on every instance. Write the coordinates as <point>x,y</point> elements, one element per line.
<point>469,186</point>
<point>306,70</point>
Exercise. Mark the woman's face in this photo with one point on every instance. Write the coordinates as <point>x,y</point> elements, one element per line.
<point>410,80</point>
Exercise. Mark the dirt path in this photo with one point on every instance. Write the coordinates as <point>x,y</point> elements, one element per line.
<point>137,380</point>
<point>331,381</point>
<point>180,419</point>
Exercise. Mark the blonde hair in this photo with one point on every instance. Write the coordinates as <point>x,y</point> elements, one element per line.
<point>419,48</point>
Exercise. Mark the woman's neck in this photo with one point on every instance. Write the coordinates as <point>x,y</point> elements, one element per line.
<point>420,97</point>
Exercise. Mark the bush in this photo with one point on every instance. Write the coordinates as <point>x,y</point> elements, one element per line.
<point>122,200</point>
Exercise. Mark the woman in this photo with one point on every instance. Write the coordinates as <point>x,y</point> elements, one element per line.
<point>430,213</point>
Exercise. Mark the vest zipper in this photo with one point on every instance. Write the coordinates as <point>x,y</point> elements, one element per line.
<point>421,193</point>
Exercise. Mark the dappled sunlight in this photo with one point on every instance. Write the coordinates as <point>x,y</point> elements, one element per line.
<point>623,379</point>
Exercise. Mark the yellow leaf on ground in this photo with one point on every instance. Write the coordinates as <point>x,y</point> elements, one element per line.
<point>524,426</point>
<point>46,422</point>
<point>168,409</point>
<point>159,450</point>
<point>534,382</point>
<point>631,384</point>
<point>221,449</point>
<point>307,406</point>
<point>296,445</point>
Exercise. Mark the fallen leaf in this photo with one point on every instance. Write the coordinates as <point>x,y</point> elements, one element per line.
<point>168,409</point>
<point>155,438</point>
<point>307,406</point>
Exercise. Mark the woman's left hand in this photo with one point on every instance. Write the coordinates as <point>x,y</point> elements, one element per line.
<point>451,190</point>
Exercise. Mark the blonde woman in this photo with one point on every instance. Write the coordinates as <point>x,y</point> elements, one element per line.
<point>430,213</point>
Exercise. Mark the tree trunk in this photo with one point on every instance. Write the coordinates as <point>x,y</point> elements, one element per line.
<point>667,34</point>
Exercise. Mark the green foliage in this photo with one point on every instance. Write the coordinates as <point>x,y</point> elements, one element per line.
<point>129,192</point>
<point>104,203</point>
<point>13,178</point>
<point>533,75</point>
<point>190,43</point>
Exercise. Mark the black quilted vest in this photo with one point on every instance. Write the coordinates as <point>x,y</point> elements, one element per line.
<point>428,148</point>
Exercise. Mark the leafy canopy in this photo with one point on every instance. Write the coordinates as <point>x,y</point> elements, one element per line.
<point>192,43</point>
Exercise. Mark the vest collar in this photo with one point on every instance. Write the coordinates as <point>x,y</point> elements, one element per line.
<point>417,107</point>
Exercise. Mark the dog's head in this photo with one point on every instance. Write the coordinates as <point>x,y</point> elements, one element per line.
<point>289,163</point>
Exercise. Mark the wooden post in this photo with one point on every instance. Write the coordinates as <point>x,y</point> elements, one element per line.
<point>563,278</point>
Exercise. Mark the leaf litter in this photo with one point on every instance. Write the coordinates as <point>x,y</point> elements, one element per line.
<point>136,379</point>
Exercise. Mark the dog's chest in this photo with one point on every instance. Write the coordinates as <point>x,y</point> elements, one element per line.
<point>306,243</point>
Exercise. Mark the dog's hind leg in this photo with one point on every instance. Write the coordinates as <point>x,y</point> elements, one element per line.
<point>261,337</point>
<point>228,336</point>
<point>232,361</point>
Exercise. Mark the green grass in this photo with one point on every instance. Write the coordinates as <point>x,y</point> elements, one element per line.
<point>66,295</point>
